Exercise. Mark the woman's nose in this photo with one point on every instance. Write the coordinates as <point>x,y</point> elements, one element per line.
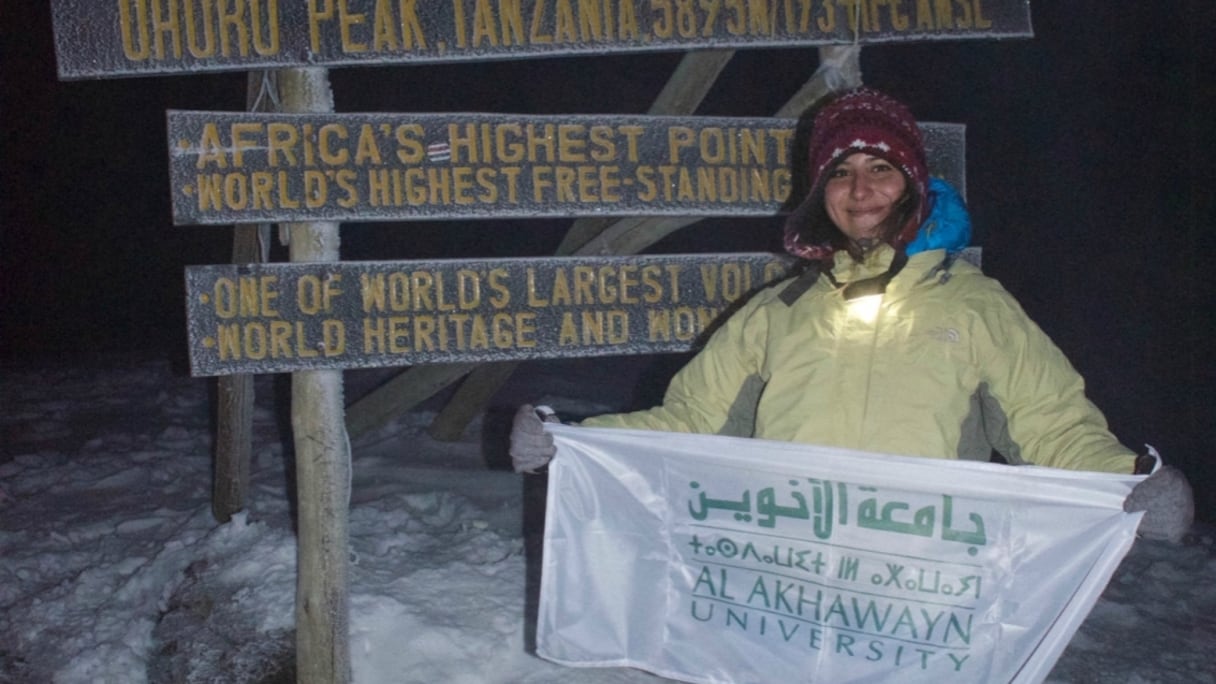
<point>860,187</point>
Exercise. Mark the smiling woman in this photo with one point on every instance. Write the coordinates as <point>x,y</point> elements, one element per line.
<point>859,197</point>
<point>870,179</point>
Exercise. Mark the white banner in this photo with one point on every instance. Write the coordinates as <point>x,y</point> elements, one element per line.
<point>718,559</point>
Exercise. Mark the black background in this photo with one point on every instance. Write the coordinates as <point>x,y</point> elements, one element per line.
<point>1090,181</point>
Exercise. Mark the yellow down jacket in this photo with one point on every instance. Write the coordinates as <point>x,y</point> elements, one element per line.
<point>945,364</point>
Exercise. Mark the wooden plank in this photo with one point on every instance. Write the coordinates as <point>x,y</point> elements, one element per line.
<point>240,167</point>
<point>145,37</point>
<point>269,318</point>
<point>691,81</point>
<point>470,398</point>
<point>401,393</point>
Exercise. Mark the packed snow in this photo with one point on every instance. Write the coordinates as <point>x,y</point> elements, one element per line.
<point>112,568</point>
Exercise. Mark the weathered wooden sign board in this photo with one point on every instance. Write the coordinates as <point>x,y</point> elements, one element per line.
<point>269,318</point>
<point>236,167</point>
<point>107,38</point>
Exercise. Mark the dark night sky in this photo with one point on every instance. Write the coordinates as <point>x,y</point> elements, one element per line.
<point>1090,179</point>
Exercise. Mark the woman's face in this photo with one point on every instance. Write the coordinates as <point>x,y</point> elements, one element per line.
<point>860,193</point>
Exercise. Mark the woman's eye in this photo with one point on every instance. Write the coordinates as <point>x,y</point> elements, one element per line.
<point>839,172</point>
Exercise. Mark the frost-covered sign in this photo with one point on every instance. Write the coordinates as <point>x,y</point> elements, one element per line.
<point>259,318</point>
<point>716,559</point>
<point>103,38</point>
<point>234,167</point>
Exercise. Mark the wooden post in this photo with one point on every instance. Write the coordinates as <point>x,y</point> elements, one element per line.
<point>233,445</point>
<point>234,393</point>
<point>322,455</point>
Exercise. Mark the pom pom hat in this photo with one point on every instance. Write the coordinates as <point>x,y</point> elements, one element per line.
<point>869,122</point>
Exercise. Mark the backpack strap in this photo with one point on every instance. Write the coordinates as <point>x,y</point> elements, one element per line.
<point>805,281</point>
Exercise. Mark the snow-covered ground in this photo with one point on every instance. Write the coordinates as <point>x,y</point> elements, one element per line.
<point>113,570</point>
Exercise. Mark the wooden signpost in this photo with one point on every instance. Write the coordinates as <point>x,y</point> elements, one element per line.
<point>273,318</point>
<point>143,37</point>
<point>315,168</point>
<point>232,167</point>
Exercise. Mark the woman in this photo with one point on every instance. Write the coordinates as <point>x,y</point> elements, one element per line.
<point>887,342</point>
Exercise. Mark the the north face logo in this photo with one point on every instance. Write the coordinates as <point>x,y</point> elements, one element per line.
<point>950,335</point>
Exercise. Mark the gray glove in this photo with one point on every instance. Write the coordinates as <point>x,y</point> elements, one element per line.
<point>531,447</point>
<point>1167,502</point>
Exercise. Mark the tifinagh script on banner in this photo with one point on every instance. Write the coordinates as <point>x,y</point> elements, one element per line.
<point>721,559</point>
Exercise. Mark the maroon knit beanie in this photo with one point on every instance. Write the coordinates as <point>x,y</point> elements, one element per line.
<point>867,121</point>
